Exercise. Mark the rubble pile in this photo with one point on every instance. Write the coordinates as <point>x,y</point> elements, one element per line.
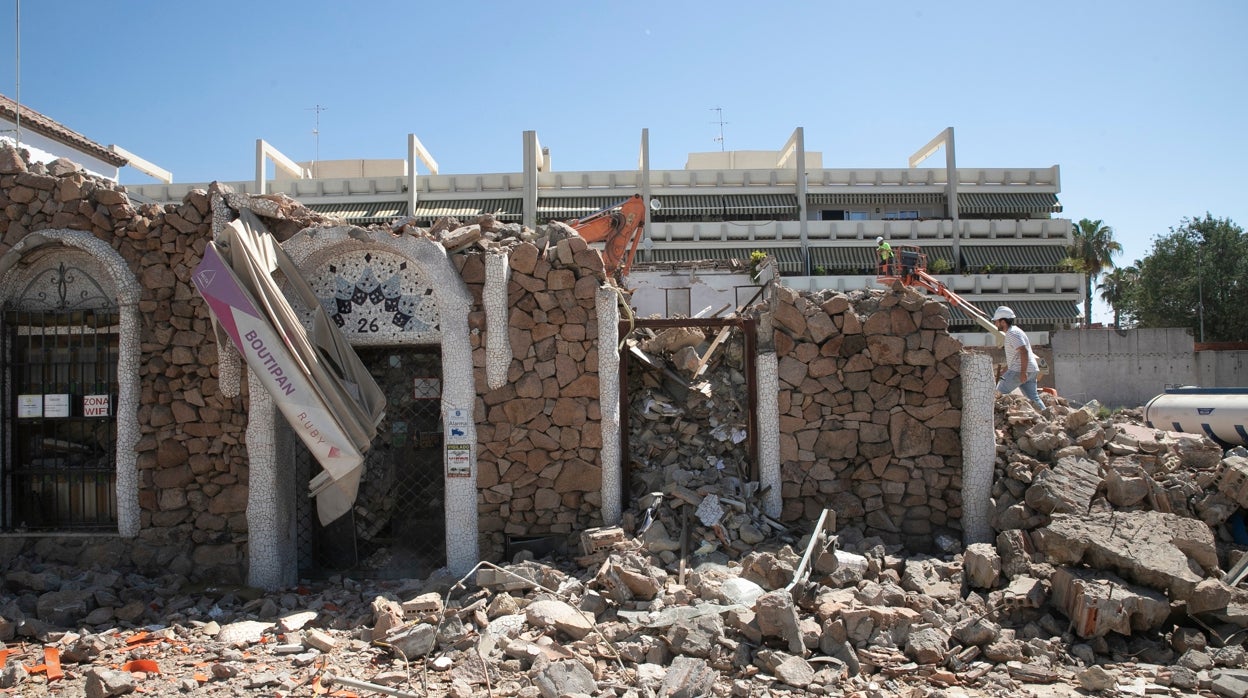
<point>690,472</point>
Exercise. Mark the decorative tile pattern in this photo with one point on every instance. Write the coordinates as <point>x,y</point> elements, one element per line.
<point>497,341</point>
<point>375,293</point>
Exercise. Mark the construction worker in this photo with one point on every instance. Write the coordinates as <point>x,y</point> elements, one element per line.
<point>885,251</point>
<point>1021,367</point>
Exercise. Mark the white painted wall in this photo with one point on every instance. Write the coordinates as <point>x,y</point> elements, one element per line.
<point>44,149</point>
<point>712,288</point>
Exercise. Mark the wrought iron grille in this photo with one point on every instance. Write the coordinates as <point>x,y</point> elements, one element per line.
<point>397,528</point>
<point>60,425</point>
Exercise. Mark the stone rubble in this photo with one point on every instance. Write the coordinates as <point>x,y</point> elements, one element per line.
<point>1037,614</point>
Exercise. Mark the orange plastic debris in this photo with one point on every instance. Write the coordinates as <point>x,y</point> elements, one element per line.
<point>147,666</point>
<point>52,659</point>
<point>137,637</point>
<point>200,677</point>
<point>4,656</point>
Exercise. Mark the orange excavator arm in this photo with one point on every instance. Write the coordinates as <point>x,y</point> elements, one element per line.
<point>909,266</point>
<point>618,226</point>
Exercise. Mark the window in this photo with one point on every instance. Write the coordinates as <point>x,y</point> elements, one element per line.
<point>901,215</point>
<point>831,215</point>
<point>857,216</point>
<point>59,448</point>
<point>677,302</point>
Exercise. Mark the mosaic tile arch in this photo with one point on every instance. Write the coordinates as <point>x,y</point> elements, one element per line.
<point>375,293</point>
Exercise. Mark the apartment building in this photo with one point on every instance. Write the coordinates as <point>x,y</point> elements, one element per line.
<point>992,235</point>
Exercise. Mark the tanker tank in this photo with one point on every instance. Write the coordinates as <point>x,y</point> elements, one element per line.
<point>1219,413</point>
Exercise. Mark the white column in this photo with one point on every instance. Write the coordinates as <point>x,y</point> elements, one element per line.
<point>979,447</point>
<point>607,305</point>
<point>768,370</point>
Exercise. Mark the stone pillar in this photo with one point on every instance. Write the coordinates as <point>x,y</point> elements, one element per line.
<point>264,565</point>
<point>497,338</point>
<point>607,306</point>
<point>769,433</point>
<point>979,446</point>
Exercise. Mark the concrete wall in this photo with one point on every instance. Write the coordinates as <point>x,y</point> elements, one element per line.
<point>1222,369</point>
<point>1122,369</point>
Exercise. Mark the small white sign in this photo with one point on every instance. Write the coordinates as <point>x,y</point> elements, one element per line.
<point>458,460</point>
<point>56,405</point>
<point>29,406</point>
<point>457,422</point>
<point>95,405</point>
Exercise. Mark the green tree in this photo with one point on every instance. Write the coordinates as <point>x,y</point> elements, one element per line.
<point>1114,288</point>
<point>1091,251</point>
<point>1195,276</point>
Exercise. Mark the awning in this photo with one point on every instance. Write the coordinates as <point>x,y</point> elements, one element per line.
<point>1012,258</point>
<point>502,209</point>
<point>844,258</point>
<point>875,198</point>
<point>760,204</point>
<point>568,207</point>
<point>316,380</point>
<point>1031,314</point>
<point>935,252</point>
<point>363,213</point>
<point>690,205</point>
<point>1008,203</point>
<point>788,259</point>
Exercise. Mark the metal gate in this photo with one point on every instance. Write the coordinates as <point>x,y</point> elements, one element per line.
<point>397,528</point>
<point>60,425</point>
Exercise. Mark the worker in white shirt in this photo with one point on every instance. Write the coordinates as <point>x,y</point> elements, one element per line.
<point>1021,367</point>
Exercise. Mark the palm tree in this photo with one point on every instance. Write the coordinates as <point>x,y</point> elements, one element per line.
<point>1091,250</point>
<point>1113,288</point>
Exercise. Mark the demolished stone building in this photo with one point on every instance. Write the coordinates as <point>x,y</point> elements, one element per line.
<point>800,456</point>
<point>849,395</point>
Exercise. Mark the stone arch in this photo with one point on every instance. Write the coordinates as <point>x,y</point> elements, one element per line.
<point>424,286</point>
<point>106,274</point>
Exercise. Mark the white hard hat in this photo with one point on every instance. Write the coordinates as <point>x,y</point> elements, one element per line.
<point>879,240</point>
<point>1003,313</point>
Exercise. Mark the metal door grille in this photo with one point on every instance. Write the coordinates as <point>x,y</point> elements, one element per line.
<point>397,528</point>
<point>60,425</point>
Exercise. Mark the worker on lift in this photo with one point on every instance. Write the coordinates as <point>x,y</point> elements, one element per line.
<point>885,252</point>
<point>1021,366</point>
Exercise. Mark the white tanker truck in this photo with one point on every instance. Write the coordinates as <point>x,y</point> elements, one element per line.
<point>1219,413</point>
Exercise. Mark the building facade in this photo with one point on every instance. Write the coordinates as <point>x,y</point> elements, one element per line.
<point>992,235</point>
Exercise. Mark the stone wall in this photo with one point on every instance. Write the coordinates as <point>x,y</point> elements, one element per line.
<point>870,409</point>
<point>192,474</point>
<point>540,433</point>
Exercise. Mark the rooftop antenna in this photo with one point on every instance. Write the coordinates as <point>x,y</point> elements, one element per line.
<point>719,112</point>
<point>17,100</point>
<point>316,134</point>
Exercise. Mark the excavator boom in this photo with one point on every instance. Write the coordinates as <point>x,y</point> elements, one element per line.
<point>619,227</point>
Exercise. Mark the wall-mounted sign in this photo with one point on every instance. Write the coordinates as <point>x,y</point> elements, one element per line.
<point>56,405</point>
<point>426,388</point>
<point>458,460</point>
<point>457,422</point>
<point>95,405</point>
<point>29,406</point>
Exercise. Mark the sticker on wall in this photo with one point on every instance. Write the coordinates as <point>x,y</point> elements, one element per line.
<point>458,460</point>
<point>457,422</point>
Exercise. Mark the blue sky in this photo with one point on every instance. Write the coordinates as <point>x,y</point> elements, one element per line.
<point>1141,103</point>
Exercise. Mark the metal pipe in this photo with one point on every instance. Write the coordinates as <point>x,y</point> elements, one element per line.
<point>329,679</point>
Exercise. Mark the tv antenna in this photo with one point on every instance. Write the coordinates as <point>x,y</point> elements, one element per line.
<point>719,112</point>
<point>316,134</point>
